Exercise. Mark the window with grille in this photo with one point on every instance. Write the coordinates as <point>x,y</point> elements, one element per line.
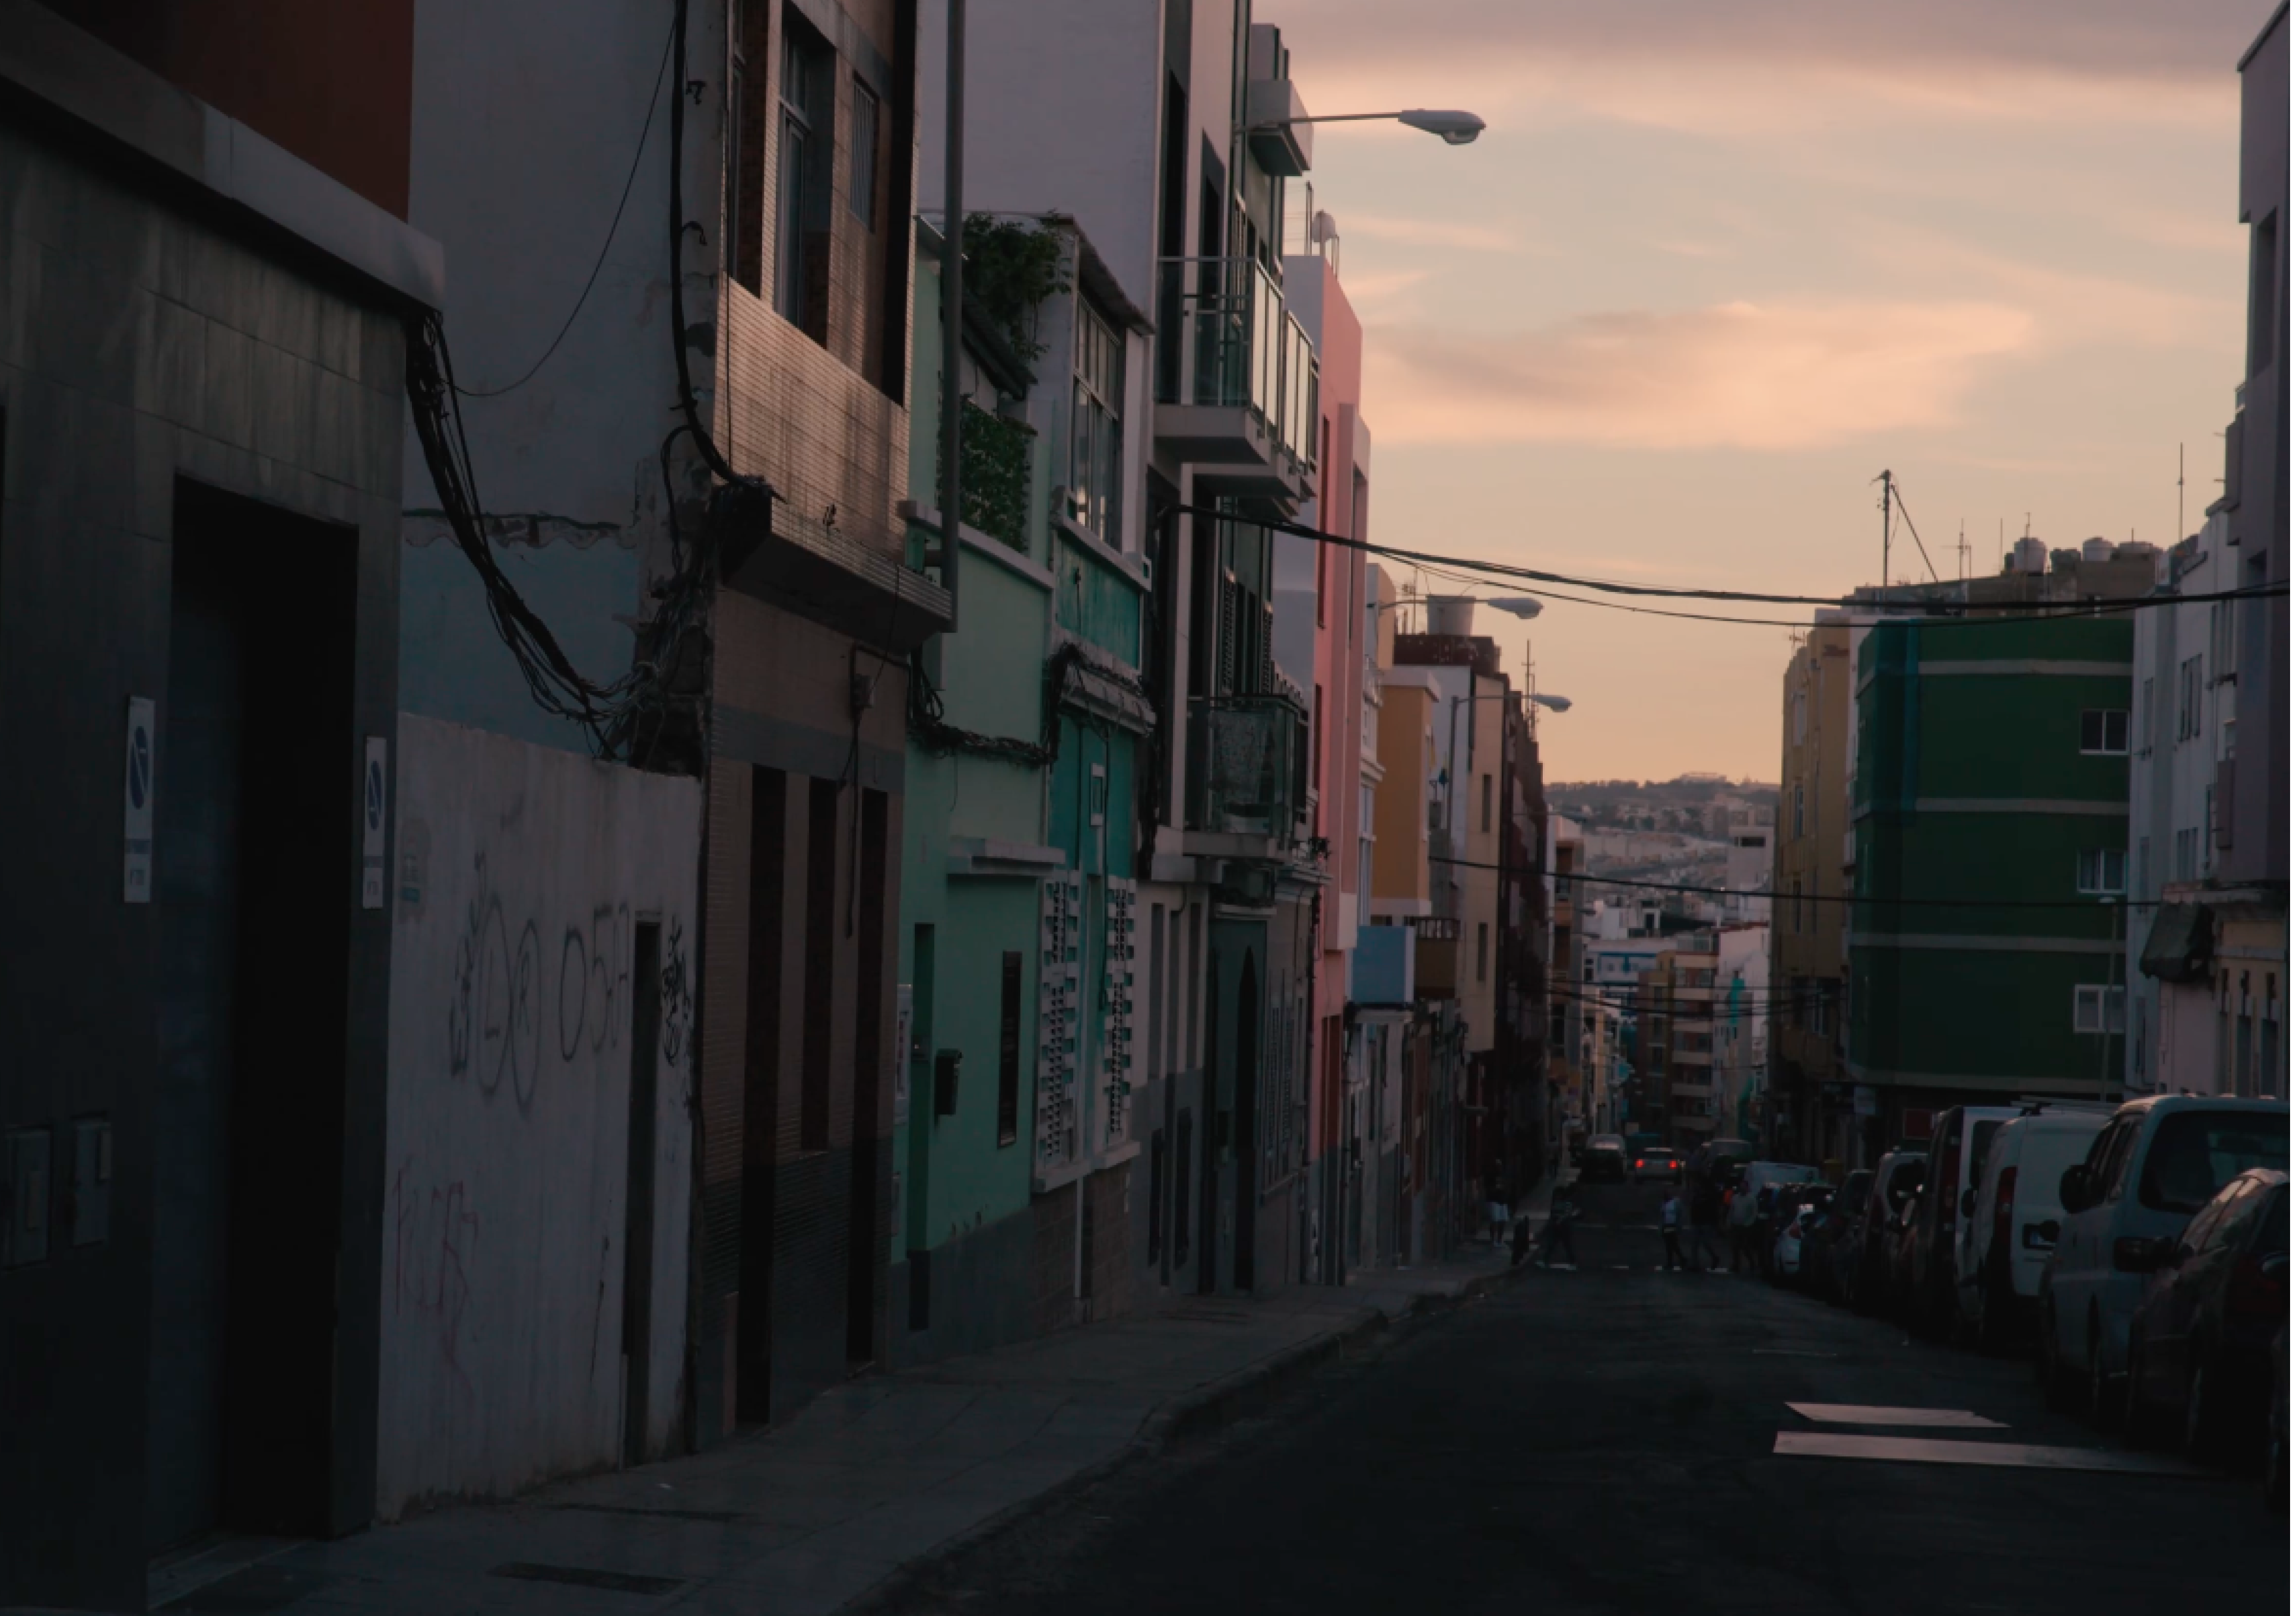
<point>1097,468</point>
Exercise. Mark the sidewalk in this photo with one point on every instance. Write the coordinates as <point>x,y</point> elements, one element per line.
<point>866,1480</point>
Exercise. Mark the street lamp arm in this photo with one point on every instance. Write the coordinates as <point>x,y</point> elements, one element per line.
<point>1455,126</point>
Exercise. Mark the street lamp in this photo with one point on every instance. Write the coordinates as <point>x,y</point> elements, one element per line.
<point>1550,702</point>
<point>1456,128</point>
<point>1523,606</point>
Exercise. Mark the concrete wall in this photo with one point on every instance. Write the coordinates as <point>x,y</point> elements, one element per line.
<point>522,875</point>
<point>568,460</point>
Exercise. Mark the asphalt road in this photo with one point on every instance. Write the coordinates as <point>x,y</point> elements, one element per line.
<point>1602,1441</point>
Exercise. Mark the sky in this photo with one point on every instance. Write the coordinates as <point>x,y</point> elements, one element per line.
<point>1712,266</point>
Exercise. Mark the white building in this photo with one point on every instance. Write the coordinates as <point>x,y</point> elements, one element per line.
<point>2185,694</point>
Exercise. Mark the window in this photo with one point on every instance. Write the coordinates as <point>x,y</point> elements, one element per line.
<point>1008,1053</point>
<point>2263,290</point>
<point>801,252</point>
<point>2224,648</point>
<point>2188,698</point>
<point>1097,458</point>
<point>861,184</point>
<point>2104,730</point>
<point>1096,794</point>
<point>2188,855</point>
<point>2099,1009</point>
<point>745,143</point>
<point>1798,804</point>
<point>2195,1153</point>
<point>1482,950</point>
<point>1487,802</point>
<point>2101,870</point>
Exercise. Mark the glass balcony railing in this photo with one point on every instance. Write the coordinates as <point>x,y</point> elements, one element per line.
<point>1247,765</point>
<point>1225,338</point>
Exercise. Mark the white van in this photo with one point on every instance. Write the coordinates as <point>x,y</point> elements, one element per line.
<point>2010,1217</point>
<point>2159,1161</point>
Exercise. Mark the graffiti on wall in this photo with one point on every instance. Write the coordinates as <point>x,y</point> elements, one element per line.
<point>676,997</point>
<point>434,1234</point>
<point>593,981</point>
<point>494,1027</point>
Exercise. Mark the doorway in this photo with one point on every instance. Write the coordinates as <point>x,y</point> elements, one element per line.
<point>1208,1219</point>
<point>257,796</point>
<point>1247,1123</point>
<point>637,1211</point>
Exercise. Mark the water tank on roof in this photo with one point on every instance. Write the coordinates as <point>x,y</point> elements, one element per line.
<point>2063,560</point>
<point>2136,550</point>
<point>1451,614</point>
<point>2096,550</point>
<point>2029,555</point>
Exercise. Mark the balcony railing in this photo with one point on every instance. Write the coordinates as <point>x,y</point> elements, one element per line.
<point>1225,339</point>
<point>1247,765</point>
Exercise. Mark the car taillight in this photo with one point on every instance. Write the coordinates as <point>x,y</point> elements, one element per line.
<point>2004,1201</point>
<point>1638,1162</point>
<point>2259,1288</point>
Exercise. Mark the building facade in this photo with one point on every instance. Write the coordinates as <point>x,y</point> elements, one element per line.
<point>1992,762</point>
<point>203,367</point>
<point>1811,915</point>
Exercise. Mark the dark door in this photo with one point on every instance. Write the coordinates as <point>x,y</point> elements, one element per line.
<point>1207,1214</point>
<point>1247,1123</point>
<point>637,1212</point>
<point>866,1240</point>
<point>259,791</point>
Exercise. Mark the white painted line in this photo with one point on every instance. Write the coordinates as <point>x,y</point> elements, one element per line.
<point>1791,1352</point>
<point>1863,1414</point>
<point>1929,1450</point>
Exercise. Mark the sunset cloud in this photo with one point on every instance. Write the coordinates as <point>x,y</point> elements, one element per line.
<point>1737,375</point>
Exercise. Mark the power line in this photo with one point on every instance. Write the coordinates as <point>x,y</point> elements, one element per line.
<point>1932,903</point>
<point>1477,572</point>
<point>644,133</point>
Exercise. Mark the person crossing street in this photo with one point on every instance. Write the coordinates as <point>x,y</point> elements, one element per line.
<point>1669,1226</point>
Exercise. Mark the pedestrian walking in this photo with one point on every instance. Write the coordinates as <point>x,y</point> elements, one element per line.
<point>1561,1214</point>
<point>1495,1212</point>
<point>1705,1217</point>
<point>1742,1230</point>
<point>1669,1226</point>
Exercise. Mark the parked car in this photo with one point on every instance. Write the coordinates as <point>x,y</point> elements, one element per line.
<point>1606,1158</point>
<point>1659,1162</point>
<point>1789,1205</point>
<point>1713,1160</point>
<point>2200,1339</point>
<point>1837,1233</point>
<point>1956,1150</point>
<point>2010,1219</point>
<point>1897,1180</point>
<point>2159,1161</point>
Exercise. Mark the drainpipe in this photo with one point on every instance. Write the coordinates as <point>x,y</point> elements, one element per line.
<point>952,315</point>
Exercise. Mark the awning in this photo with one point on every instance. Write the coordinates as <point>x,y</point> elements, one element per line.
<point>2178,948</point>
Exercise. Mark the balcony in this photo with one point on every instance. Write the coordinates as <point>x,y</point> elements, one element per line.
<point>1236,379</point>
<point>1247,766</point>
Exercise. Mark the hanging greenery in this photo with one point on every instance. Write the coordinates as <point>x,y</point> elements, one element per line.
<point>995,454</point>
<point>1010,267</point>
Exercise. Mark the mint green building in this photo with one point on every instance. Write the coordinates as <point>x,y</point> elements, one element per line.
<point>1991,762</point>
<point>1012,1129</point>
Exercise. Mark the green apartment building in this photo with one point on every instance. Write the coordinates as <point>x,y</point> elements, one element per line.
<point>1012,1133</point>
<point>1991,763</point>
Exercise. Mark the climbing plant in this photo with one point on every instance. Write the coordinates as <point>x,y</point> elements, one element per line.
<point>1010,267</point>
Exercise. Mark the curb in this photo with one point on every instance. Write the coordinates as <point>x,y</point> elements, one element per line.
<point>1191,1413</point>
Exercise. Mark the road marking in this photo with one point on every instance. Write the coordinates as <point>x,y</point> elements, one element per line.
<point>1791,1352</point>
<point>1867,1414</point>
<point>1929,1450</point>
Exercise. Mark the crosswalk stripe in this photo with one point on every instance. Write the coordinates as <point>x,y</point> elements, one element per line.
<point>1867,1414</point>
<point>1930,1450</point>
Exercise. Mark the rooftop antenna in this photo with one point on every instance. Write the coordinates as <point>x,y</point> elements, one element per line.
<point>1962,545</point>
<point>2180,494</point>
<point>1884,480</point>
